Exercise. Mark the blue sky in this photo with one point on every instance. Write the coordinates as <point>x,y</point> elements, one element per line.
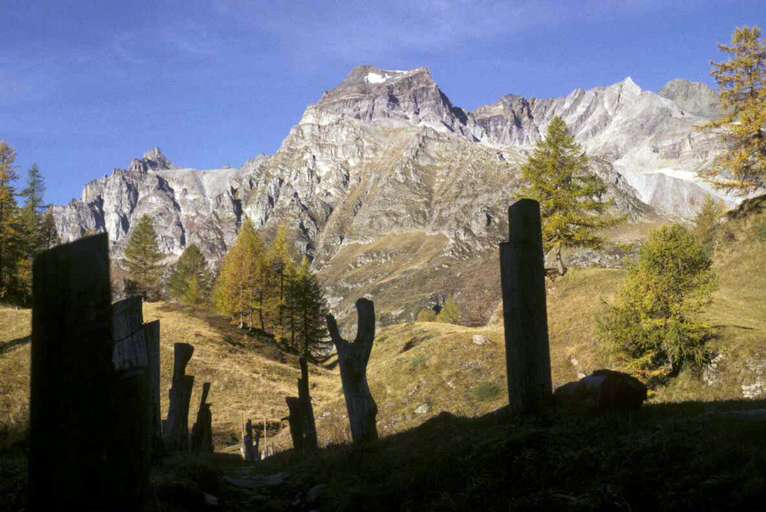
<point>87,85</point>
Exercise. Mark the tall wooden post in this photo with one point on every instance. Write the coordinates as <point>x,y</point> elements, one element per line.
<point>152,338</point>
<point>304,395</point>
<point>176,431</point>
<point>353,359</point>
<point>522,275</point>
<point>202,431</point>
<point>72,378</point>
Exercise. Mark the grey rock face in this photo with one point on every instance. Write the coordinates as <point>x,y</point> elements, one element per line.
<point>394,190</point>
<point>693,97</point>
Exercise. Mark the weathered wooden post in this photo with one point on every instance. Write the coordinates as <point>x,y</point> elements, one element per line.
<point>296,422</point>
<point>247,450</point>
<point>202,431</point>
<point>353,359</point>
<point>522,277</point>
<point>137,345</point>
<point>310,441</point>
<point>176,431</point>
<point>72,378</point>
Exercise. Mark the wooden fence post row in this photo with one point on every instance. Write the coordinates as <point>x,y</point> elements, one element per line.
<point>176,428</point>
<point>522,275</point>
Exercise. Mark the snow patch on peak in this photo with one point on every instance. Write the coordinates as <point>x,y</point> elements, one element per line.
<point>375,78</point>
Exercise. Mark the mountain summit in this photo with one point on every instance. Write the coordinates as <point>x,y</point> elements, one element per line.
<point>389,186</point>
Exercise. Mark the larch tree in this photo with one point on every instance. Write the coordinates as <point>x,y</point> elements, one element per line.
<point>143,260</point>
<point>190,281</point>
<point>742,90</point>
<point>239,290</point>
<point>653,327</point>
<point>570,196</point>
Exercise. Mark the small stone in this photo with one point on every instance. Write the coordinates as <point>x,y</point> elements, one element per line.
<point>478,339</point>
<point>423,409</point>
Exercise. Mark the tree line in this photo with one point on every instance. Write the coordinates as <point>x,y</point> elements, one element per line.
<point>262,287</point>
<point>26,228</point>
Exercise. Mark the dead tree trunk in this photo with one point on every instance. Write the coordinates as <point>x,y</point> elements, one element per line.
<point>353,359</point>
<point>176,431</point>
<point>202,431</point>
<point>522,276</point>
<point>310,441</point>
<point>72,378</point>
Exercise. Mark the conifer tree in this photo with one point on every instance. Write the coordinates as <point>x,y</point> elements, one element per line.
<point>143,260</point>
<point>306,308</point>
<point>742,90</point>
<point>570,196</point>
<point>189,281</point>
<point>49,236</point>
<point>706,222</point>
<point>11,248</point>
<point>279,266</point>
<point>653,326</point>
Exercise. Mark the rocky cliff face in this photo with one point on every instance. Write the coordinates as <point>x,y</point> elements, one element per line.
<point>399,194</point>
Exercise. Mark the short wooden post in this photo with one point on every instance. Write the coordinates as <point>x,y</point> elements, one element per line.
<point>353,359</point>
<point>247,450</point>
<point>176,431</point>
<point>202,431</point>
<point>71,415</point>
<point>310,441</point>
<point>522,276</point>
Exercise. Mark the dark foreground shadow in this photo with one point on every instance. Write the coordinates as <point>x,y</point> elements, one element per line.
<point>8,346</point>
<point>676,456</point>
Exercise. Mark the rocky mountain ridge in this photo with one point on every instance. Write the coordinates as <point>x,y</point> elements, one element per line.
<point>385,181</point>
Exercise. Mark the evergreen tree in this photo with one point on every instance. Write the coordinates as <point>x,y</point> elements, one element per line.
<point>652,326</point>
<point>450,312</point>
<point>49,236</point>
<point>742,89</point>
<point>143,260</point>
<point>239,290</point>
<point>189,281</point>
<point>306,308</point>
<point>279,265</point>
<point>570,196</point>
<point>11,248</point>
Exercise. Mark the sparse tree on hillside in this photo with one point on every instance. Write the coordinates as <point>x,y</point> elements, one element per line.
<point>189,282</point>
<point>143,260</point>
<point>706,222</point>
<point>742,85</point>
<point>570,196</point>
<point>450,312</point>
<point>652,326</point>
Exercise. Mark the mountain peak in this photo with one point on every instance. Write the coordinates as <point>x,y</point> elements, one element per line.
<point>693,97</point>
<point>156,160</point>
<point>628,85</point>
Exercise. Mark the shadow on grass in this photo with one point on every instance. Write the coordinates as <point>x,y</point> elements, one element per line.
<point>674,456</point>
<point>7,346</point>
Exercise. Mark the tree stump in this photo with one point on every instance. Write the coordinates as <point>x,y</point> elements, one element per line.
<point>522,276</point>
<point>202,431</point>
<point>353,359</point>
<point>72,381</point>
<point>176,430</point>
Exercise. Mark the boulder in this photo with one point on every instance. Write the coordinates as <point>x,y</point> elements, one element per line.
<point>602,391</point>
